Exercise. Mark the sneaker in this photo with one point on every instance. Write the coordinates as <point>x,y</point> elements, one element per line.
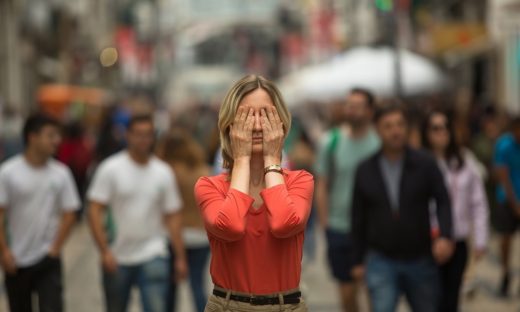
<point>504,285</point>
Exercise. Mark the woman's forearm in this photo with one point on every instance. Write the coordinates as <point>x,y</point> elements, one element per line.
<point>224,214</point>
<point>273,178</point>
<point>241,174</point>
<point>289,205</point>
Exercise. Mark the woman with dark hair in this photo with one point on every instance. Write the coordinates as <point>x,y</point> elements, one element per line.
<point>469,204</point>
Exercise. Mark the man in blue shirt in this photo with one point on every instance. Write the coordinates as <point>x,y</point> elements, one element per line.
<point>507,221</point>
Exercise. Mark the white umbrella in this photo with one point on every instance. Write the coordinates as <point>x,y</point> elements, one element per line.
<point>371,68</point>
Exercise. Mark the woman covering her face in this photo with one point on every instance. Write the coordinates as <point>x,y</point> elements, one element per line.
<point>255,215</point>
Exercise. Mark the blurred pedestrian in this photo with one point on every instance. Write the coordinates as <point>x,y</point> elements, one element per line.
<point>142,194</point>
<point>391,219</point>
<point>507,166</point>
<point>483,143</point>
<point>302,157</point>
<point>340,153</point>
<point>469,204</point>
<point>187,160</point>
<point>255,216</point>
<point>11,124</point>
<point>38,201</point>
<point>483,146</point>
<point>76,153</point>
<point>112,136</point>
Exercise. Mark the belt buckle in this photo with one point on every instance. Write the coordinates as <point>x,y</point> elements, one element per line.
<point>258,300</point>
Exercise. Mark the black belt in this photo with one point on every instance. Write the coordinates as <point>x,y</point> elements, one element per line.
<point>291,298</point>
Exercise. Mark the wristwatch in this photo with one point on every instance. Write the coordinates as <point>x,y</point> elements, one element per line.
<point>273,168</point>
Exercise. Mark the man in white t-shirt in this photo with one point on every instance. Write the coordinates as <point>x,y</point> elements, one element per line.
<point>38,201</point>
<point>144,203</point>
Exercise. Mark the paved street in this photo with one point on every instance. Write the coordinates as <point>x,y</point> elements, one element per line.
<point>83,292</point>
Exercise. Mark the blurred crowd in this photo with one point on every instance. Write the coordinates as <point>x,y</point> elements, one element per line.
<point>470,180</point>
<point>395,105</point>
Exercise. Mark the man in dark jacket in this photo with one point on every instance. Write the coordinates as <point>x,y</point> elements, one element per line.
<point>391,224</point>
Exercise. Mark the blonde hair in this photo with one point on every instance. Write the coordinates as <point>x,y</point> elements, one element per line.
<point>230,106</point>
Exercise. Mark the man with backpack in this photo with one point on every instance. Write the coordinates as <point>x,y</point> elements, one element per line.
<point>344,147</point>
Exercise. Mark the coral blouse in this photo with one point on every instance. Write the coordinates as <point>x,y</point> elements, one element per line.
<point>256,251</point>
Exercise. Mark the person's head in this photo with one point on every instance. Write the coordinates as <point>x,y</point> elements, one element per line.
<point>42,134</point>
<point>359,107</point>
<point>391,124</point>
<point>515,128</point>
<point>438,135</point>
<point>140,134</point>
<point>254,92</point>
<point>73,130</point>
<point>178,147</point>
<point>489,123</point>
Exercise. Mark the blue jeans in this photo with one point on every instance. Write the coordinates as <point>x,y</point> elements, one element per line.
<point>150,277</point>
<point>388,278</point>
<point>197,258</point>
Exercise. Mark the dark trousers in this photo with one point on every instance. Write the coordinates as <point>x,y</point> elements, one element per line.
<point>451,274</point>
<point>44,279</point>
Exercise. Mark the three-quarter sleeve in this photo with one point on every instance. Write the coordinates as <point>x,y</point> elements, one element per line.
<point>224,214</point>
<point>289,205</point>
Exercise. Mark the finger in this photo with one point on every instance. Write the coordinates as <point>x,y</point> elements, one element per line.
<point>279,120</point>
<point>276,115</point>
<point>244,113</point>
<point>265,120</point>
<point>243,124</point>
<point>248,125</point>
<point>238,114</point>
<point>270,115</point>
<point>240,117</point>
<point>276,123</point>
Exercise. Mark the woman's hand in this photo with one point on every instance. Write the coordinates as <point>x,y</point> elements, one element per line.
<point>241,133</point>
<point>273,135</point>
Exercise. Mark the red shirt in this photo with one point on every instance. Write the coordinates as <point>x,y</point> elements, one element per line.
<point>256,251</point>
